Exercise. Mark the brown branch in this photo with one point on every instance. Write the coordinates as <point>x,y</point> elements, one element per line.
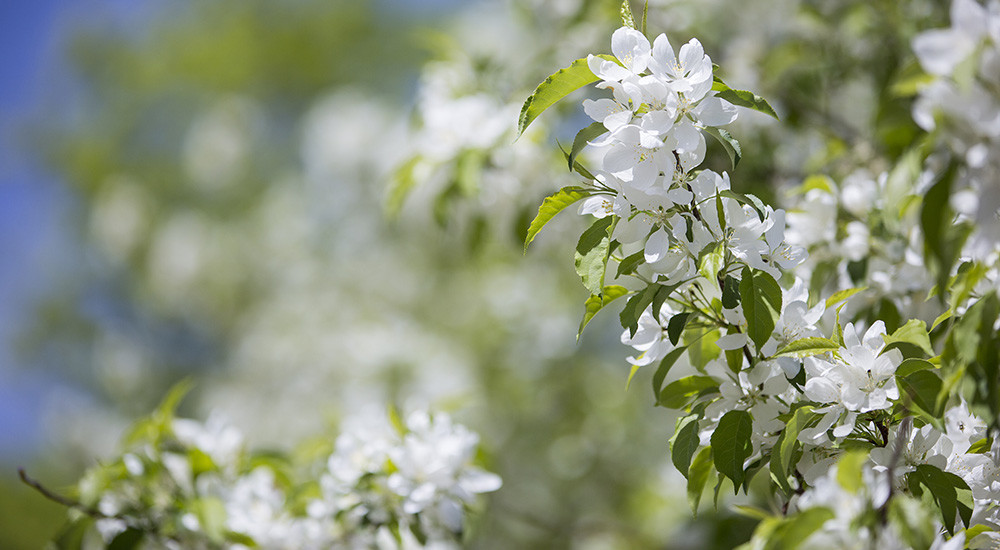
<point>59,499</point>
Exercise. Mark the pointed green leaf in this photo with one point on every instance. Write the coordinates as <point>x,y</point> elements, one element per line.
<point>784,448</point>
<point>807,347</point>
<point>592,252</point>
<point>742,98</point>
<point>731,444</point>
<point>842,295</point>
<point>698,474</point>
<point>796,529</point>
<point>661,371</point>
<point>923,387</point>
<point>944,487</point>
<point>595,303</point>
<point>750,200</point>
<point>684,442</point>
<point>627,19</point>
<point>400,185</point>
<point>677,393</point>
<point>551,206</point>
<point>629,264</point>
<point>629,316</point>
<point>910,366</point>
<point>581,139</point>
<point>761,299</point>
<point>728,142</point>
<point>676,326</point>
<point>730,292</point>
<point>914,332</point>
<point>554,88</point>
<point>712,259</point>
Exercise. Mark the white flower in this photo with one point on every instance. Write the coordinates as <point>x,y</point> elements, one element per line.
<point>631,48</point>
<point>691,69</point>
<point>434,471</point>
<point>861,380</point>
<point>650,338</point>
<point>941,50</point>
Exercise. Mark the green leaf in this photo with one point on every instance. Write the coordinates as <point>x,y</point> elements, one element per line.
<point>784,448</point>
<point>730,292</point>
<point>761,299</point>
<point>631,375</point>
<point>842,295</point>
<point>676,326</point>
<point>592,253</point>
<point>807,347</point>
<point>849,469</point>
<point>911,366</point>
<point>581,139</point>
<point>596,302</point>
<point>645,11</point>
<point>944,487</point>
<point>700,353</point>
<point>923,387</point>
<point>941,243</point>
<point>627,19</point>
<point>792,532</point>
<point>211,512</point>
<point>555,87</point>
<point>629,264</point>
<point>981,447</point>
<point>711,260</point>
<point>728,142</point>
<point>732,445</point>
<point>914,332</point>
<point>126,540</point>
<point>71,536</point>
<point>551,206</point>
<point>747,199</point>
<point>684,443</point>
<point>400,185</point>
<point>698,474</point>
<point>665,364</point>
<point>679,392</point>
<point>629,316</point>
<point>742,98</point>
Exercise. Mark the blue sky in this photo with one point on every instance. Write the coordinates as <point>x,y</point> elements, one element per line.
<point>33,243</point>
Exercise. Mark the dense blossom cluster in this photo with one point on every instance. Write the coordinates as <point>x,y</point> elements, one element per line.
<point>185,484</point>
<point>740,287</point>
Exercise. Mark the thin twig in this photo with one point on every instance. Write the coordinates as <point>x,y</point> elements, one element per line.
<point>59,499</point>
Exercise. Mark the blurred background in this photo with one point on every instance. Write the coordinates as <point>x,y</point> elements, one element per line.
<point>314,207</point>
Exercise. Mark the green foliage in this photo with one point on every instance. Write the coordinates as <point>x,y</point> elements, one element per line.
<point>807,347</point>
<point>592,252</point>
<point>684,442</point>
<point>596,302</point>
<point>698,473</point>
<point>761,299</point>
<point>581,139</point>
<point>785,448</point>
<point>950,493</point>
<point>552,205</point>
<point>679,393</point>
<point>742,98</point>
<point>555,87</point>
<point>911,335</point>
<point>731,444</point>
<point>664,367</point>
<point>729,143</point>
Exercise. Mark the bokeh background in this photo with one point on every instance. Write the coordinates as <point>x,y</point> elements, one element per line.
<point>316,207</point>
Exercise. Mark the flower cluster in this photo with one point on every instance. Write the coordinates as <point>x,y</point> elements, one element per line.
<point>728,281</point>
<point>184,484</point>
